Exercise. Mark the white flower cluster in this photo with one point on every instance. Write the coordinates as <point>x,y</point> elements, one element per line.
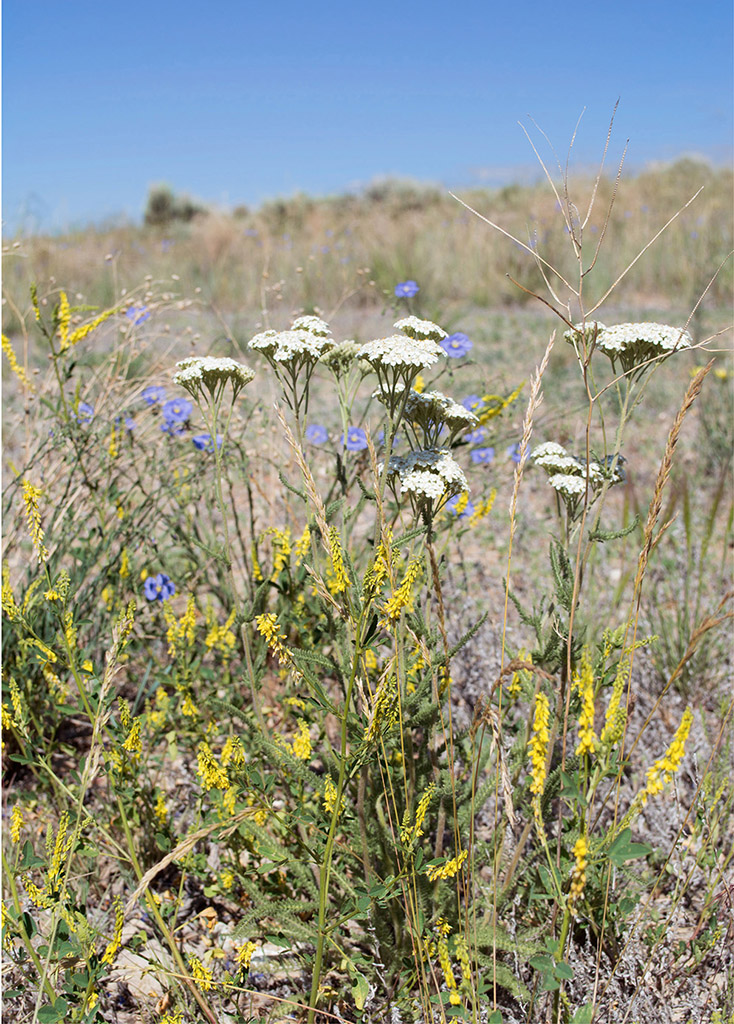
<point>421,330</point>
<point>211,372</point>
<point>341,358</point>
<point>401,352</point>
<point>434,407</point>
<point>633,344</point>
<point>563,467</point>
<point>568,485</point>
<point>290,346</point>
<point>312,324</point>
<point>428,474</point>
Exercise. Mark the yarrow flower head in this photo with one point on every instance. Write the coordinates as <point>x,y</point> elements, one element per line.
<point>316,434</point>
<point>457,345</point>
<point>431,411</point>
<point>421,330</point>
<point>636,344</point>
<point>398,360</point>
<point>306,342</point>
<point>159,588</point>
<point>342,357</point>
<point>355,439</point>
<point>199,372</point>
<point>406,289</point>
<point>430,477</point>
<point>205,443</point>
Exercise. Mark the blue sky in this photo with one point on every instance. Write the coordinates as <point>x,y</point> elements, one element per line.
<point>239,102</point>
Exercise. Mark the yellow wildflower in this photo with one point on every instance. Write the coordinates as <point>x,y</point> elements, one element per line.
<point>664,769</point>
<point>213,776</point>
<point>188,708</point>
<point>232,751</point>
<point>16,823</point>
<point>15,366</point>
<point>384,709</point>
<point>183,629</point>
<point>64,319</point>
<point>578,876</point>
<point>461,503</point>
<point>244,955</point>
<point>227,878</point>
<point>256,570</point>
<point>31,497</point>
<point>112,449</point>
<point>445,961</point>
<point>9,606</point>
<point>483,508</point>
<point>419,384</point>
<point>616,716</point>
<point>584,682</point>
<point>229,800</point>
<point>124,564</point>
<point>58,850</point>
<point>370,660</point>
<point>448,869</point>
<point>133,744</point>
<point>302,742</point>
<point>220,637</point>
<point>114,944</point>
<point>160,810</point>
<point>281,558</point>
<point>403,596</point>
<point>302,544</point>
<point>39,897</point>
<point>408,833</point>
<point>81,332</point>
<point>203,977</point>
<point>336,580</point>
<point>538,744</point>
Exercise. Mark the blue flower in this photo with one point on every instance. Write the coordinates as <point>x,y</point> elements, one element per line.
<point>406,289</point>
<point>456,345</point>
<point>130,424</point>
<point>159,588</point>
<point>482,456</point>
<point>317,434</point>
<point>473,403</point>
<point>84,413</point>
<point>177,410</point>
<point>514,452</point>
<point>173,427</point>
<point>355,440</point>
<point>453,502</point>
<point>476,436</point>
<point>138,314</point>
<point>153,394</point>
<point>204,442</point>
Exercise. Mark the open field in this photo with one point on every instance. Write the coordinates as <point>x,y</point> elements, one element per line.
<point>294,731</point>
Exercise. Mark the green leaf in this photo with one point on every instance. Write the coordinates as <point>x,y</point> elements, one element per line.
<point>623,849</point>
<point>584,1014</point>
<point>563,971</point>
<point>360,989</point>
<point>495,1017</point>
<point>50,1014</point>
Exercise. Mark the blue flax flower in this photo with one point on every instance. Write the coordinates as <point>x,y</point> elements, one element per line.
<point>177,410</point>
<point>453,502</point>
<point>137,314</point>
<point>317,434</point>
<point>406,289</point>
<point>84,413</point>
<point>159,588</point>
<point>355,440</point>
<point>153,394</point>
<point>482,456</point>
<point>473,403</point>
<point>130,424</point>
<point>205,443</point>
<point>514,452</point>
<point>476,436</point>
<point>456,345</point>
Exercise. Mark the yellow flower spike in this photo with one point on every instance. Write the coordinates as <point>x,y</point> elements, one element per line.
<point>58,849</point>
<point>282,554</point>
<point>302,545</point>
<point>419,384</point>
<point>133,744</point>
<point>384,710</point>
<point>461,503</point>
<point>447,870</point>
<point>188,708</point>
<point>483,508</point>
<point>616,716</point>
<point>31,496</point>
<point>403,596</point>
<point>160,810</point>
<point>81,332</point>
<point>124,564</point>
<point>336,579</point>
<point>578,876</point>
<point>15,365</point>
<point>213,776</point>
<point>113,450</point>
<point>114,944</point>
<point>538,745</point>
<point>232,751</point>
<point>203,977</point>
<point>16,823</point>
<point>302,742</point>
<point>9,606</point>
<point>409,834</point>
<point>584,683</point>
<point>256,570</point>
<point>664,769</point>
<point>64,319</point>
<point>244,955</point>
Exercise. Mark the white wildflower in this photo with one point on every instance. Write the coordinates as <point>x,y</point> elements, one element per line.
<point>568,485</point>
<point>587,330</point>
<point>292,346</point>
<point>401,352</point>
<point>548,448</point>
<point>430,473</point>
<point>422,330</point>
<point>312,324</point>
<point>211,372</point>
